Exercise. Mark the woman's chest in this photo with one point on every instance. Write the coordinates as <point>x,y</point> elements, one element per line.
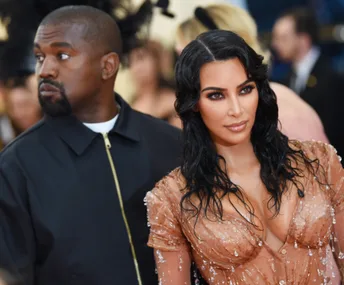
<point>239,235</point>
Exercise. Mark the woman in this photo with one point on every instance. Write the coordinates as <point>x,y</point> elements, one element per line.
<point>21,105</point>
<point>154,94</point>
<point>298,119</point>
<point>247,205</point>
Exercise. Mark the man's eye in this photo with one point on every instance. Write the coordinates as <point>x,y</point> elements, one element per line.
<point>64,56</point>
<point>39,57</point>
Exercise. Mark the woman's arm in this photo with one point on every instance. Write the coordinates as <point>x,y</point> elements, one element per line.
<point>173,267</point>
<point>171,247</point>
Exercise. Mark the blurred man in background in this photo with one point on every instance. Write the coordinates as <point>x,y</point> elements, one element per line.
<point>295,40</point>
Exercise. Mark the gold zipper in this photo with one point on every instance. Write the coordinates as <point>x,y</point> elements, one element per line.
<point>119,194</point>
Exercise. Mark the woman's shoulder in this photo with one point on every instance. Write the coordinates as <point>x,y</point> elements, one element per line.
<point>313,146</point>
<point>169,187</point>
<point>173,179</point>
<point>312,149</point>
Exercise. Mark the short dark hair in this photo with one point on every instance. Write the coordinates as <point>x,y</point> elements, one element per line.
<point>101,27</point>
<point>305,22</point>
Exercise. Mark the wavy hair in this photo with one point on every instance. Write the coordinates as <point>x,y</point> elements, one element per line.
<point>205,178</point>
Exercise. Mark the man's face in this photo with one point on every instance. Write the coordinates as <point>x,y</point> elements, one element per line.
<point>68,69</point>
<point>285,39</point>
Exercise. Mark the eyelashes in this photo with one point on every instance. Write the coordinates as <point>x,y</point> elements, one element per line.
<point>247,89</point>
<point>61,56</point>
<point>219,95</point>
<point>215,95</point>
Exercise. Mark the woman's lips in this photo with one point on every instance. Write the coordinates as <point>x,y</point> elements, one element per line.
<point>237,127</point>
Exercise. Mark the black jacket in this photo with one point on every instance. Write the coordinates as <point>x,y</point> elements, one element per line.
<point>324,91</point>
<point>60,218</point>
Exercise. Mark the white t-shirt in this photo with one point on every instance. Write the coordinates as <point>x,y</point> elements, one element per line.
<point>103,127</point>
<point>304,67</point>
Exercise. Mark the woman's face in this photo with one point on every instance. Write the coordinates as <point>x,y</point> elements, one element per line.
<point>228,102</point>
<point>143,66</point>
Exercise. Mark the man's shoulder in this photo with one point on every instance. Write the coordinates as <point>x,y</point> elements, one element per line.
<point>323,67</point>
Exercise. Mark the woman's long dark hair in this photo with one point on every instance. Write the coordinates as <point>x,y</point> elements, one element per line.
<point>205,179</point>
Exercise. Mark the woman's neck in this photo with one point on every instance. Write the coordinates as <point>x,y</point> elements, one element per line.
<point>240,158</point>
<point>148,89</point>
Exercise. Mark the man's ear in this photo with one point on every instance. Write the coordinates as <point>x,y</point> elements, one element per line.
<point>110,64</point>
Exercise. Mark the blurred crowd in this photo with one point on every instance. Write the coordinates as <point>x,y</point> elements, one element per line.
<point>150,63</point>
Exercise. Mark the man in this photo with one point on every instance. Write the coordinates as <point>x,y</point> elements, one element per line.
<point>72,188</point>
<point>295,39</point>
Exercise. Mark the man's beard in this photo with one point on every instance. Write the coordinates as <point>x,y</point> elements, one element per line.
<point>58,108</point>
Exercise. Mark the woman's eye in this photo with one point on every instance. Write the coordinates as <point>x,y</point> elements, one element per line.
<point>215,96</point>
<point>64,56</point>
<point>247,89</point>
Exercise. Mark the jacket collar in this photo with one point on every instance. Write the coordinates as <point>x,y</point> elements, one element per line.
<point>79,137</point>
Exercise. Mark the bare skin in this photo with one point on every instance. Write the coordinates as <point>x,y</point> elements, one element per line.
<point>237,102</point>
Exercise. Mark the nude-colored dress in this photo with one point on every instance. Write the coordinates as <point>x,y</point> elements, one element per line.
<point>231,252</point>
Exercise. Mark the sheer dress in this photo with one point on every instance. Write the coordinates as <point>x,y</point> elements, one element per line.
<point>230,251</point>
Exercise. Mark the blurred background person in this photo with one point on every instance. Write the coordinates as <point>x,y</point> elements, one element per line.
<point>295,39</point>
<point>21,104</point>
<point>19,90</point>
<point>298,119</point>
<point>7,279</point>
<point>151,66</point>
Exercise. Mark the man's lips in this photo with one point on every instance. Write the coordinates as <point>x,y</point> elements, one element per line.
<point>46,89</point>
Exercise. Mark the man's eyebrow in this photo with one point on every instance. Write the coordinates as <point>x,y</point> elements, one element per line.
<point>62,44</point>
<point>56,44</point>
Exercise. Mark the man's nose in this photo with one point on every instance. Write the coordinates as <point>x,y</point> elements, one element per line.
<point>47,69</point>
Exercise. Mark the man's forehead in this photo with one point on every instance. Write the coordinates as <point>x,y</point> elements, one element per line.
<point>71,33</point>
<point>287,22</point>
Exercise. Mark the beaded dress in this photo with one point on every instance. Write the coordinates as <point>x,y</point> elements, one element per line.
<point>230,251</point>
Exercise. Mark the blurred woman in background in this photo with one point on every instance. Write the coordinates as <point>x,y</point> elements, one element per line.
<point>21,104</point>
<point>150,66</point>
